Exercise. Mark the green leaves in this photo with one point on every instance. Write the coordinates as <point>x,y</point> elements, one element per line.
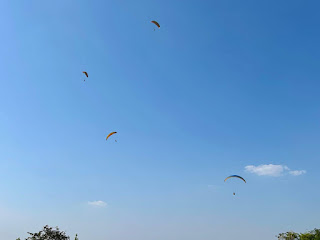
<point>48,233</point>
<point>288,236</point>
<point>311,235</point>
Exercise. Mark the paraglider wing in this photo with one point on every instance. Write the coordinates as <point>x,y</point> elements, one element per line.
<point>156,23</point>
<point>110,135</point>
<point>235,176</point>
<point>86,73</point>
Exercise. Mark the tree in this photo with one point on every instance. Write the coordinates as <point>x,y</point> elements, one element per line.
<point>48,233</point>
<point>288,236</point>
<point>311,235</point>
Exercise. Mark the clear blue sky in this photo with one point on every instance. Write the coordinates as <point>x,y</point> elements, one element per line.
<point>221,86</point>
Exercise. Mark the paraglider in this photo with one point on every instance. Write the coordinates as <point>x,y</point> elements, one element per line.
<point>85,74</point>
<point>235,176</point>
<point>110,135</point>
<point>156,23</point>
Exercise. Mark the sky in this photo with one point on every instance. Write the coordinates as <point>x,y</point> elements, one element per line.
<point>222,88</point>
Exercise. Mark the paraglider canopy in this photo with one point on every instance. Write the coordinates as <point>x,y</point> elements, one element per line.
<point>156,23</point>
<point>235,176</point>
<point>85,73</point>
<point>110,135</point>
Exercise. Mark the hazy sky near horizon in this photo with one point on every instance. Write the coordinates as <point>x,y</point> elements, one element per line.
<point>223,87</point>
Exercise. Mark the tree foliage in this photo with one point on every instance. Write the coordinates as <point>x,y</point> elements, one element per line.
<point>311,235</point>
<point>288,236</point>
<point>49,233</point>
